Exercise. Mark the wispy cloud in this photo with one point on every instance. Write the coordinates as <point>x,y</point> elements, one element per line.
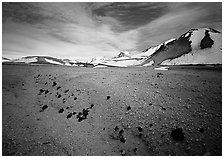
<point>180,18</point>
<point>85,30</point>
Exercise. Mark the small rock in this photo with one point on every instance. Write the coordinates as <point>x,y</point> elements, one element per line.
<point>177,134</point>
<point>123,152</point>
<point>44,107</point>
<point>91,106</point>
<point>129,108</point>
<point>140,129</point>
<point>46,91</point>
<point>54,84</point>
<point>61,110</point>
<point>108,97</point>
<point>69,115</point>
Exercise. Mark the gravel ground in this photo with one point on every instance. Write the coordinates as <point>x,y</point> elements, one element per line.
<point>56,110</point>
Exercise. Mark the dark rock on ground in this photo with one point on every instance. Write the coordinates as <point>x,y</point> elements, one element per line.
<point>177,134</point>
<point>43,108</point>
<point>61,110</point>
<point>69,115</point>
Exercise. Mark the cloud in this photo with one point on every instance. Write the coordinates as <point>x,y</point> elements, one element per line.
<point>79,35</point>
<point>86,30</point>
<point>180,18</point>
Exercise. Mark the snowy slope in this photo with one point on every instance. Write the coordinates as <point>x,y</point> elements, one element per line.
<point>34,60</point>
<point>25,60</point>
<point>205,49</point>
<point>125,59</point>
<point>122,55</point>
<point>122,63</point>
<point>53,62</point>
<point>98,60</point>
<point>5,59</point>
<point>197,46</point>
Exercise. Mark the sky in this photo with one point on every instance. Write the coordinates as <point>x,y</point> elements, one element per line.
<point>82,31</point>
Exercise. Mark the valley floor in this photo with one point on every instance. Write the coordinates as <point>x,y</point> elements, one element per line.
<point>58,110</point>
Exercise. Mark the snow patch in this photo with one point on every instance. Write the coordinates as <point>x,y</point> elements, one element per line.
<point>100,66</point>
<point>25,60</point>
<point>53,62</point>
<point>171,40</point>
<point>98,60</point>
<point>149,63</point>
<point>187,34</point>
<point>161,68</point>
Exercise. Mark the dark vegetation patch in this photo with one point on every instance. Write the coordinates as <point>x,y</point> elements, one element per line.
<point>206,42</point>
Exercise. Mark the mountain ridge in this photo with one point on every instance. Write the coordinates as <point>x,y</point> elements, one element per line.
<point>196,46</point>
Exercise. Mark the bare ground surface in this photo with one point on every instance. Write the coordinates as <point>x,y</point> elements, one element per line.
<point>55,110</point>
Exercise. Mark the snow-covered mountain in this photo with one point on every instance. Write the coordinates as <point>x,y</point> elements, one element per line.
<point>98,60</point>
<point>196,46</point>
<point>5,59</point>
<point>122,55</point>
<point>125,59</point>
<point>33,60</point>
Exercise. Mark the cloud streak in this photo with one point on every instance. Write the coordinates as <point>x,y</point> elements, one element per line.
<point>85,30</point>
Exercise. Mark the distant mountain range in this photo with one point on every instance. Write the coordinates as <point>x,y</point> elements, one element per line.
<point>196,46</point>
